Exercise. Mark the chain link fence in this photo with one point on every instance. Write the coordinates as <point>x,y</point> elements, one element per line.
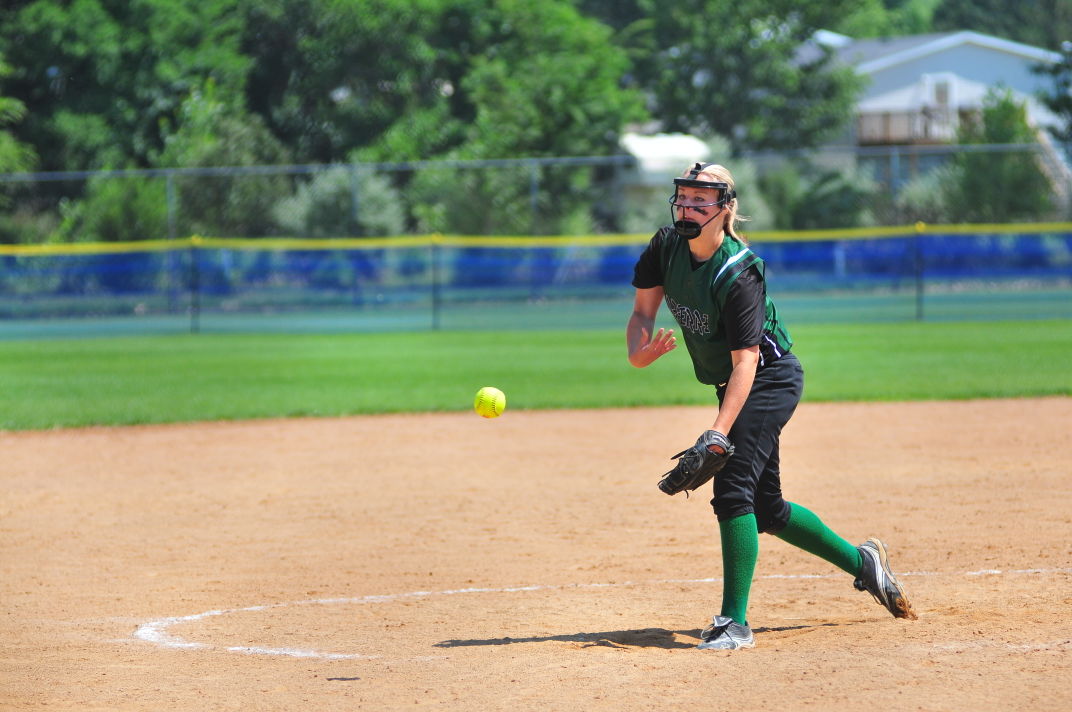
<point>834,188</point>
<point>522,243</point>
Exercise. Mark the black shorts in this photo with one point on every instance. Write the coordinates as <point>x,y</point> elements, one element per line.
<point>751,480</point>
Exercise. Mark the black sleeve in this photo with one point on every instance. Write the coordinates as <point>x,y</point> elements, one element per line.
<point>648,271</point>
<point>744,311</point>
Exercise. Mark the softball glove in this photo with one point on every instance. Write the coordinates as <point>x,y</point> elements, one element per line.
<point>696,466</point>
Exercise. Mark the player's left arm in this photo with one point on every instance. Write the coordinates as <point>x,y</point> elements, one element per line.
<point>742,316</point>
<point>745,363</point>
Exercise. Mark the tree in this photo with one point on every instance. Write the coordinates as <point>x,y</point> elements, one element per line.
<point>1059,100</point>
<point>1042,23</point>
<point>211,130</point>
<point>617,14</point>
<point>99,77</point>
<point>332,75</point>
<point>517,80</point>
<point>543,81</point>
<point>498,77</point>
<point>15,157</point>
<point>738,70</point>
<point>811,197</point>
<point>885,18</point>
<point>998,187</point>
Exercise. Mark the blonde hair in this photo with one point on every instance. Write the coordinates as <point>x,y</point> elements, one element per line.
<point>716,172</point>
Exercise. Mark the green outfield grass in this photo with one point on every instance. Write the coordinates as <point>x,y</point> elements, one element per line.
<point>172,378</point>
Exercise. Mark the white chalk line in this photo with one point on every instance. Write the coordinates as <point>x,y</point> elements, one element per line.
<point>156,631</point>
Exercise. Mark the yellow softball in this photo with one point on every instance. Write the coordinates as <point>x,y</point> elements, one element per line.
<point>490,402</point>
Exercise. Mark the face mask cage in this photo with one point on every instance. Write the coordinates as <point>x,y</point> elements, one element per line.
<point>688,228</point>
<point>702,208</point>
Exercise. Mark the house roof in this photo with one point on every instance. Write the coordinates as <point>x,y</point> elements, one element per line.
<point>661,153</point>
<point>872,55</point>
<point>963,93</point>
<point>873,49</point>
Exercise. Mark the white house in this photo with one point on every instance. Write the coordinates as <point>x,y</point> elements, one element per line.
<point>919,87</point>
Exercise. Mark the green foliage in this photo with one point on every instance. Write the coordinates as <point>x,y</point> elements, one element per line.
<point>126,380</point>
<point>809,197</point>
<point>20,225</point>
<point>998,187</point>
<point>562,100</point>
<point>756,211</point>
<point>416,134</point>
<point>705,71</point>
<point>401,79</point>
<point>1042,23</point>
<point>925,198</point>
<point>416,79</point>
<point>462,78</point>
<point>617,14</point>
<point>498,201</point>
<point>191,83</point>
<point>116,209</point>
<point>713,69</point>
<point>879,18</point>
<point>118,68</point>
<point>341,202</point>
<point>86,140</point>
<point>15,156</point>
<point>332,75</point>
<point>465,79</point>
<point>214,130</point>
<point>535,79</point>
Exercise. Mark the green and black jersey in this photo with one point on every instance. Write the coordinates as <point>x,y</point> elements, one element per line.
<point>721,304</point>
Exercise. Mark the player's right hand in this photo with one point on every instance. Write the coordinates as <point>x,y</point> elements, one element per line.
<point>649,350</point>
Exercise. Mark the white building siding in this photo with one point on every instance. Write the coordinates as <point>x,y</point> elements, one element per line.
<point>972,62</point>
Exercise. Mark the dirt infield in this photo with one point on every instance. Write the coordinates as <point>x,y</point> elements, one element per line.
<point>528,563</point>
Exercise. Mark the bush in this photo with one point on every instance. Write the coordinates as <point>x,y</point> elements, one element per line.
<point>810,197</point>
<point>999,187</point>
<point>212,131</point>
<point>341,202</point>
<point>115,209</point>
<point>925,198</point>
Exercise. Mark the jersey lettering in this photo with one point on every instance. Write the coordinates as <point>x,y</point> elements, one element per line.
<point>692,320</point>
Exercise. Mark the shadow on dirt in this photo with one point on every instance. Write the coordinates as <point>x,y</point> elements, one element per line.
<point>643,638</point>
<point>803,626</point>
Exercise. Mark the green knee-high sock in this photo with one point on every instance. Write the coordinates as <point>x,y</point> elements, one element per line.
<point>740,549</point>
<point>806,531</point>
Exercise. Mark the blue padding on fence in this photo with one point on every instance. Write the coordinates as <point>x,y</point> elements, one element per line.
<point>252,280</point>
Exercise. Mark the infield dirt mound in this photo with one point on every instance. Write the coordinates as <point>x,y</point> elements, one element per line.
<point>528,562</point>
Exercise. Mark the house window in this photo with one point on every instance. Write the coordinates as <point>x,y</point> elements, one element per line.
<point>941,94</point>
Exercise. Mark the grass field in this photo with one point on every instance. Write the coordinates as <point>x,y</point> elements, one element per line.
<point>158,379</point>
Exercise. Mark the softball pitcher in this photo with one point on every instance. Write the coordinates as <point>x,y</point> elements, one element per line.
<point>715,287</point>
